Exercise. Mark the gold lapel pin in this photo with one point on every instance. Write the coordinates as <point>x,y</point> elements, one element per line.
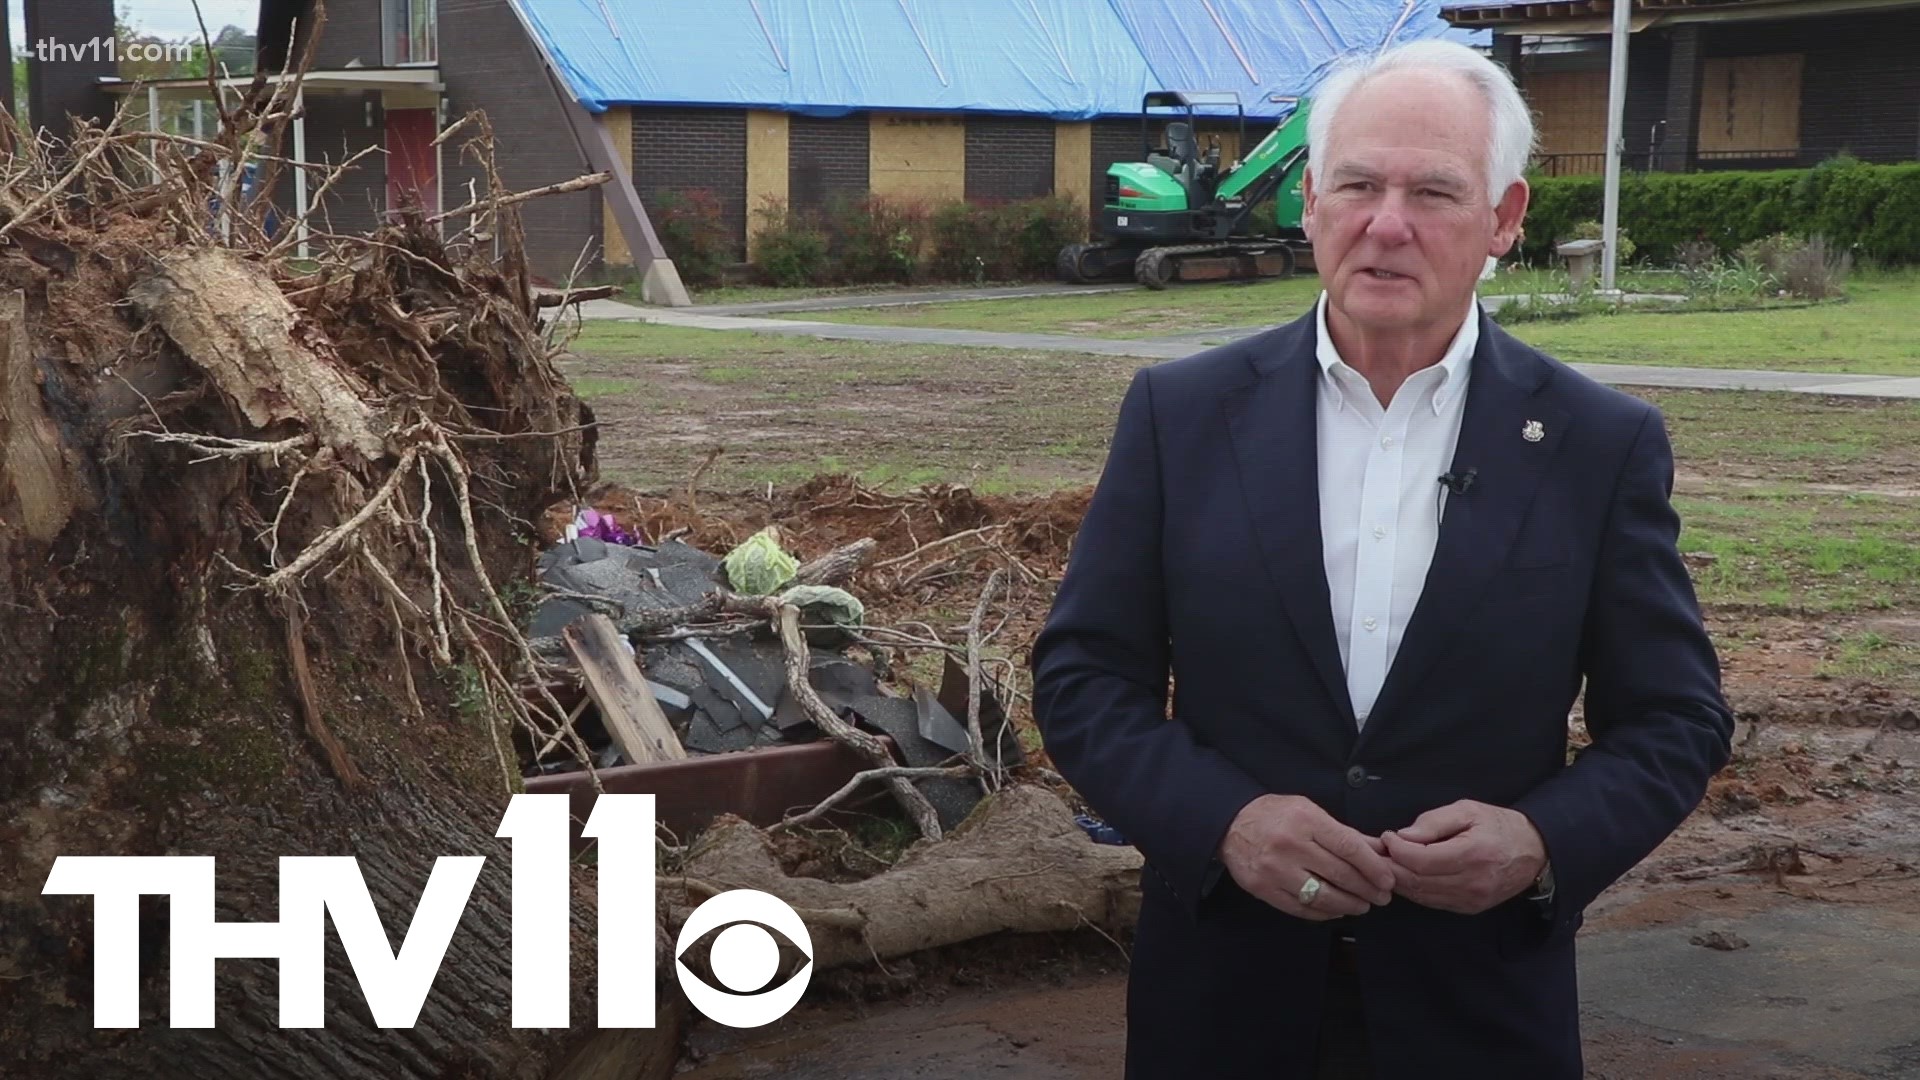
<point>1533,431</point>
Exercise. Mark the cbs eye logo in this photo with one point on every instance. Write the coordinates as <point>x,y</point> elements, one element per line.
<point>744,957</point>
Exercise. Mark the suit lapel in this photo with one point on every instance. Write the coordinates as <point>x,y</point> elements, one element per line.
<point>1273,430</point>
<point>1480,526</point>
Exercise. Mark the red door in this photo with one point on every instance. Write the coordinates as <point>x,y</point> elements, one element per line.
<point>411,171</point>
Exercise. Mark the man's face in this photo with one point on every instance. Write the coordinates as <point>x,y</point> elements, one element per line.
<point>1397,205</point>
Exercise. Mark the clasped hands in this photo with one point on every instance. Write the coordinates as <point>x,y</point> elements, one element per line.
<point>1465,857</point>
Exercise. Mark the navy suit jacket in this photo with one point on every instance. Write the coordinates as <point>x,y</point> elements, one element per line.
<point>1200,559</point>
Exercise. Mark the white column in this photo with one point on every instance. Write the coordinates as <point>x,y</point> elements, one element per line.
<point>1616,136</point>
<point>153,124</point>
<point>199,119</point>
<point>439,166</point>
<point>299,170</point>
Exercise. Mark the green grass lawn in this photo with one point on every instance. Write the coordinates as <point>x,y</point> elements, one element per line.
<point>1868,443</point>
<point>1140,313</point>
<point>1794,550</point>
<point>1135,313</point>
<point>754,294</point>
<point>1875,330</point>
<point>1807,503</point>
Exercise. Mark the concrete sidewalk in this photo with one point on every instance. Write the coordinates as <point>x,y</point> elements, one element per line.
<point>901,298</point>
<point>1172,348</point>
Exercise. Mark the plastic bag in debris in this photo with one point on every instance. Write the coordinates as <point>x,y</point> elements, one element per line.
<point>759,567</point>
<point>824,603</point>
<point>599,526</point>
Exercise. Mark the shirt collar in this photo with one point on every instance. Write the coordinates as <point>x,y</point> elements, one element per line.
<point>1453,363</point>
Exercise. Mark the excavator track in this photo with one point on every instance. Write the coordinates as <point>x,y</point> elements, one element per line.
<point>1158,267</point>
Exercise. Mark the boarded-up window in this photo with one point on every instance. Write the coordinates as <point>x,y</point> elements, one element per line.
<point>1750,105</point>
<point>1570,109</point>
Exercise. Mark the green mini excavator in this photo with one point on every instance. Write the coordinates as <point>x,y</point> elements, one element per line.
<point>1182,216</point>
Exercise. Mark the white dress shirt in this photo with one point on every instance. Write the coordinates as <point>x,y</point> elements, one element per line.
<point>1380,497</point>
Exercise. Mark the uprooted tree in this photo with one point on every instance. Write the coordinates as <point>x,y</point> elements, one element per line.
<point>259,522</point>
<point>256,519</point>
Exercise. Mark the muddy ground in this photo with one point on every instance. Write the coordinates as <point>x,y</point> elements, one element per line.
<point>1805,856</point>
<point>1817,817</point>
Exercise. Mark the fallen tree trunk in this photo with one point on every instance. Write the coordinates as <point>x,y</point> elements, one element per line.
<point>1018,863</point>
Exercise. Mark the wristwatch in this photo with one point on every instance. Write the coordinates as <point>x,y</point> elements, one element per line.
<point>1543,884</point>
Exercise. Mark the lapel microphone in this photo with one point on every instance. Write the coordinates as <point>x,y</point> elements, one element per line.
<point>1458,482</point>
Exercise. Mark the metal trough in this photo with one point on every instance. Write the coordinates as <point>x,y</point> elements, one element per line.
<point>761,786</point>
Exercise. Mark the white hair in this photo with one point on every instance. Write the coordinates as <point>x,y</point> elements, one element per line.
<point>1512,139</point>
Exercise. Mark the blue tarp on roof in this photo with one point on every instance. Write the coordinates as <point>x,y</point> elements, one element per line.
<point>1263,49</point>
<point>1065,59</point>
<point>1069,59</point>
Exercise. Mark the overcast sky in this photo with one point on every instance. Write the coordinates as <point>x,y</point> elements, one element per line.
<point>170,19</point>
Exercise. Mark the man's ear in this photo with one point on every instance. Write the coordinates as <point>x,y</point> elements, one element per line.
<point>1509,214</point>
<point>1306,192</point>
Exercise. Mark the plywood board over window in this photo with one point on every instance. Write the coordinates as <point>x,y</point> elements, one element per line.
<point>916,155</point>
<point>1570,109</point>
<point>1750,105</point>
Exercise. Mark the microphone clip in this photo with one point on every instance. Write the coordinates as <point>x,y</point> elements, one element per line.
<point>1459,482</point>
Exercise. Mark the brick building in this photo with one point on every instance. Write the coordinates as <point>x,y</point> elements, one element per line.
<point>807,101</point>
<point>1716,84</point>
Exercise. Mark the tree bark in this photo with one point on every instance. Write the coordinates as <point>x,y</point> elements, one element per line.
<point>838,566</point>
<point>1018,863</point>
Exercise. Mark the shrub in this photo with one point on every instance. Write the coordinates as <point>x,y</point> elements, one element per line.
<point>1264,219</point>
<point>967,243</point>
<point>879,239</point>
<point>1769,253</point>
<point>1718,280</point>
<point>1873,210</point>
<point>1813,271</point>
<point>1040,228</point>
<point>694,232</point>
<point>789,247</point>
<point>1695,254</point>
<point>1594,230</point>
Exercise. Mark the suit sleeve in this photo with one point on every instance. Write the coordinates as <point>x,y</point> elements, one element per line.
<point>1659,724</point>
<point>1100,676</point>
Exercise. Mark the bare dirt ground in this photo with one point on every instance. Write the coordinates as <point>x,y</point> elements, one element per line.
<point>1804,858</point>
<point>1819,812</point>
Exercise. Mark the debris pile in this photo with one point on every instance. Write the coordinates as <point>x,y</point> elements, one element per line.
<point>718,681</point>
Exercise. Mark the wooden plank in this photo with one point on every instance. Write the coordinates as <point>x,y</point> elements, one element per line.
<point>619,689</point>
<point>1750,104</point>
<point>1572,111</point>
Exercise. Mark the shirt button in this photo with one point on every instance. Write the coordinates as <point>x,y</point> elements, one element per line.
<point>1369,622</point>
<point>1357,777</point>
<point>1379,532</point>
<point>1386,441</point>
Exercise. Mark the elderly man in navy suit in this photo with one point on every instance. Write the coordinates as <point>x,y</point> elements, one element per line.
<point>1379,550</point>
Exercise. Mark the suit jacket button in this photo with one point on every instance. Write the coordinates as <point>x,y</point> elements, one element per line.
<point>1357,777</point>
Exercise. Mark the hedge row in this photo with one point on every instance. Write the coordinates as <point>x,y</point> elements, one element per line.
<point>880,239</point>
<point>1872,209</point>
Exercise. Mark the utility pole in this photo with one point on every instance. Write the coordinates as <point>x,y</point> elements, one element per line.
<point>1616,139</point>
